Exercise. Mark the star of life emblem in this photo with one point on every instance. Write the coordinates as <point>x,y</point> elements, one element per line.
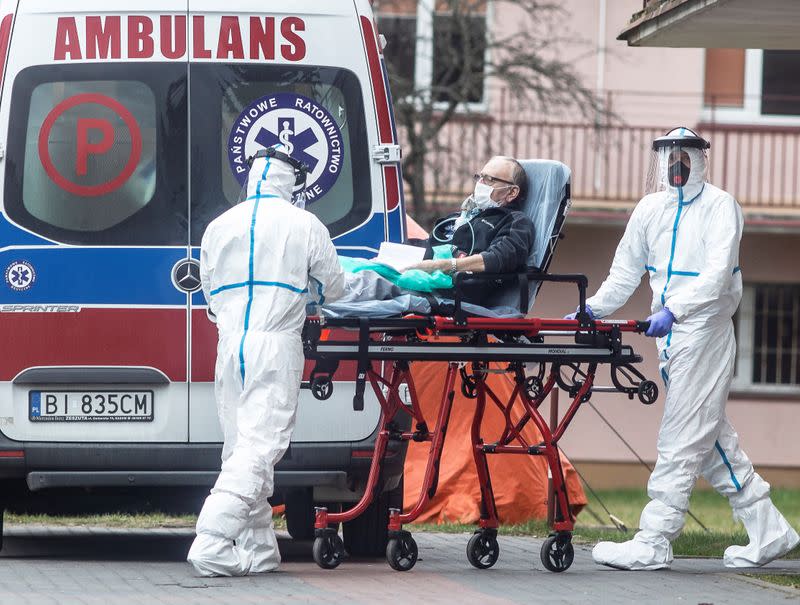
<point>20,275</point>
<point>307,130</point>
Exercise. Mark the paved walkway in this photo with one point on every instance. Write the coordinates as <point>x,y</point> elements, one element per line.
<point>98,566</point>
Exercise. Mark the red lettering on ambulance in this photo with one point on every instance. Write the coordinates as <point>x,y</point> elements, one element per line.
<point>140,37</point>
<point>262,38</point>
<point>229,44</point>
<point>103,40</point>
<point>85,148</point>
<point>67,41</point>
<point>173,41</point>
<point>199,50</point>
<point>295,50</point>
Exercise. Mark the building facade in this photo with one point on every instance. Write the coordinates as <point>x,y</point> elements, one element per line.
<point>745,101</point>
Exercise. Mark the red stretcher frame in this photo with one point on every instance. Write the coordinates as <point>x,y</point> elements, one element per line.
<point>480,342</point>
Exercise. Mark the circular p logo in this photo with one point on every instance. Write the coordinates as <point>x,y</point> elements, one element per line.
<point>94,136</point>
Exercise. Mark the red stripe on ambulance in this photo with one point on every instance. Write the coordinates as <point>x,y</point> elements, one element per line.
<point>95,337</point>
<point>376,75</point>
<point>204,351</point>
<point>391,182</point>
<point>5,36</point>
<point>101,37</point>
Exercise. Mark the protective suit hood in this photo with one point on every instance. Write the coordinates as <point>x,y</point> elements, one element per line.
<point>693,185</point>
<point>270,177</point>
<point>681,143</point>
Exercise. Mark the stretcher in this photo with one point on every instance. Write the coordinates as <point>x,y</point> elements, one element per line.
<point>537,354</point>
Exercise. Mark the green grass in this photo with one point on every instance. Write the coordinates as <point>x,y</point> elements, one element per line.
<point>789,579</point>
<point>128,521</point>
<point>146,521</point>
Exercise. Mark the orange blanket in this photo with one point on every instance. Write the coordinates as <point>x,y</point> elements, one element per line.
<point>519,482</point>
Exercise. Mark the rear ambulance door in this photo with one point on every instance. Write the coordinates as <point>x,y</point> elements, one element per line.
<point>94,224</point>
<point>294,72</point>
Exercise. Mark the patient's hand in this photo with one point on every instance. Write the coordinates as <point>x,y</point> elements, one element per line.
<point>429,266</point>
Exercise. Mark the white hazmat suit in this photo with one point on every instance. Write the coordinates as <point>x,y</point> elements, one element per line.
<point>258,262</point>
<point>687,239</point>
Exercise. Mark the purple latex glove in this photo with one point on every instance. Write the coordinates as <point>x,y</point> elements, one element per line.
<point>575,315</point>
<point>660,323</point>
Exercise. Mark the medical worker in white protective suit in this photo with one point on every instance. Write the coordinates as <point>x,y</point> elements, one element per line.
<point>686,237</point>
<point>258,261</point>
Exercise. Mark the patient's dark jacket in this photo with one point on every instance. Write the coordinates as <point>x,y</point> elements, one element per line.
<point>504,236</point>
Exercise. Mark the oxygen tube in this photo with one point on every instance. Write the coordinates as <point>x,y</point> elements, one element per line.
<point>448,240</point>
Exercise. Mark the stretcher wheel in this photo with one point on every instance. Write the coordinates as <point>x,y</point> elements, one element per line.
<point>483,550</point>
<point>557,553</point>
<point>533,386</point>
<point>328,550</point>
<point>402,552</point>
<point>321,388</point>
<point>647,392</point>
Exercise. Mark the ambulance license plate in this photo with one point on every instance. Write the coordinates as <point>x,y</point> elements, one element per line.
<point>90,406</point>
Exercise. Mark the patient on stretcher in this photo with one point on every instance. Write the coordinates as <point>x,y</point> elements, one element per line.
<point>490,234</point>
<point>493,233</point>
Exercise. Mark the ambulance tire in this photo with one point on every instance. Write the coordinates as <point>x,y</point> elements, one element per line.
<point>300,513</point>
<point>367,535</point>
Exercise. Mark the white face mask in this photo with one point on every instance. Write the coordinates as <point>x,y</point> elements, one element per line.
<point>482,197</point>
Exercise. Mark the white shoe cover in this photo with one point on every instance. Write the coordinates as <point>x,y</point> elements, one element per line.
<point>770,535</point>
<point>212,555</point>
<point>262,545</point>
<point>636,554</point>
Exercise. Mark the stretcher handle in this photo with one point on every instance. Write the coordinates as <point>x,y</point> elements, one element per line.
<point>642,326</point>
<point>523,277</point>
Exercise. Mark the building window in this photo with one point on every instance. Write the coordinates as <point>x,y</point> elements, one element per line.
<point>780,86</point>
<point>768,335</point>
<point>752,86</point>
<point>431,48</point>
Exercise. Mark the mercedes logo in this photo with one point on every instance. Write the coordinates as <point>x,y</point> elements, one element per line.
<point>186,275</point>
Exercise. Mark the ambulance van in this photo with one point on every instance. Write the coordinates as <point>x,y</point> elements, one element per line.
<point>124,130</point>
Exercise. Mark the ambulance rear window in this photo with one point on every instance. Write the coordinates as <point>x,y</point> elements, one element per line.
<point>316,112</point>
<point>97,154</point>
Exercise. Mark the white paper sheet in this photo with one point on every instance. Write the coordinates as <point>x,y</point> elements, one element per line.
<point>399,256</point>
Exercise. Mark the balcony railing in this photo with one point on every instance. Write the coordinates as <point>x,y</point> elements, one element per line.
<point>610,164</point>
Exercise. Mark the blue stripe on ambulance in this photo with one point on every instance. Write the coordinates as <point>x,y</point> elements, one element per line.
<point>96,276</point>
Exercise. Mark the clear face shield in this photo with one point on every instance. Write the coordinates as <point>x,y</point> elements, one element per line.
<point>300,171</point>
<point>679,164</point>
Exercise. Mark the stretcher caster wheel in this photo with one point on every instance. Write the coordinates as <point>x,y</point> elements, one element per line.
<point>557,553</point>
<point>328,550</point>
<point>321,388</point>
<point>533,386</point>
<point>647,392</point>
<point>402,552</point>
<point>483,549</point>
